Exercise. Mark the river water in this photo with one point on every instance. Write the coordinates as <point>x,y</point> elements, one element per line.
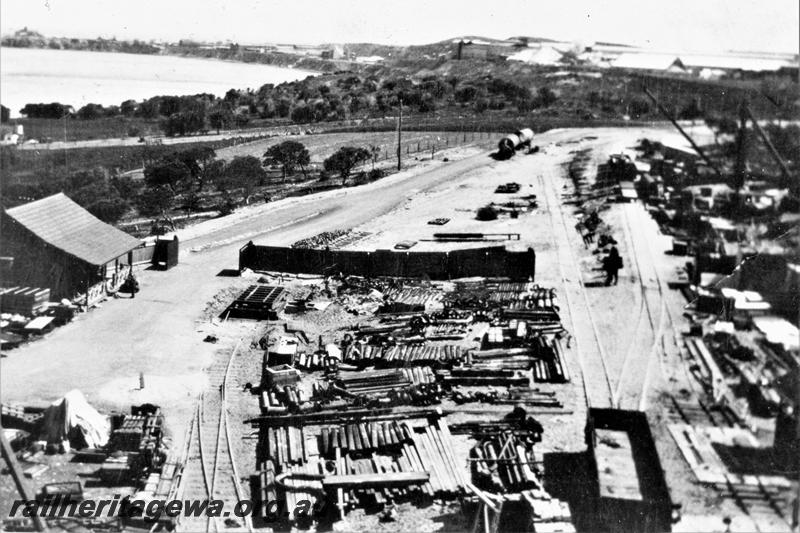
<point>76,78</point>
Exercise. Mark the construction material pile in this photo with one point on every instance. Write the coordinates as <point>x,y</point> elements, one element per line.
<point>509,354</point>
<point>504,465</point>
<point>331,239</point>
<point>25,301</point>
<point>403,355</point>
<point>359,464</point>
<point>139,434</point>
<point>413,298</point>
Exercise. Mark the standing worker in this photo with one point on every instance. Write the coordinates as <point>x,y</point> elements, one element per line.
<point>611,264</point>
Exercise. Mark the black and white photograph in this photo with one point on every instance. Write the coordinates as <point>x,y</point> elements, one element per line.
<point>421,266</point>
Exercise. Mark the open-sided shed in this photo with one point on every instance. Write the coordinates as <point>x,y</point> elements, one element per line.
<point>55,243</point>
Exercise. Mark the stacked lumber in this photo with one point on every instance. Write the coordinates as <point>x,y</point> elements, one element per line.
<point>311,361</point>
<point>520,396</point>
<point>129,435</point>
<point>382,381</point>
<point>362,463</point>
<point>528,428</point>
<point>23,300</point>
<point>504,463</point>
<point>547,510</point>
<point>17,416</point>
<point>495,376</point>
<point>433,446</point>
<point>300,484</point>
<point>542,353</point>
<point>445,331</point>
<point>503,293</point>
<point>528,311</point>
<point>265,490</point>
<point>404,355</point>
<point>141,433</point>
<point>360,437</point>
<point>550,367</point>
<point>415,296</point>
<point>281,400</point>
<point>357,352</point>
<point>286,445</point>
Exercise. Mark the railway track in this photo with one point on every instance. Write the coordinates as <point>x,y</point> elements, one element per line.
<point>591,354</point>
<point>651,323</point>
<point>647,347</point>
<point>210,473</point>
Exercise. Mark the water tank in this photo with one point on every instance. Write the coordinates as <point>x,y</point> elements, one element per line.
<point>525,136</point>
<point>508,145</point>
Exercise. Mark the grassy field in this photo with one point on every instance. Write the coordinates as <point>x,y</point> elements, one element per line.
<point>32,165</point>
<point>321,146</point>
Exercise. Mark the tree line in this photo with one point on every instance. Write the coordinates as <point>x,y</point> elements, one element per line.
<point>193,180</point>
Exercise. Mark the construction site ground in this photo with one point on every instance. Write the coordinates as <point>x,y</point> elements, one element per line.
<point>625,349</point>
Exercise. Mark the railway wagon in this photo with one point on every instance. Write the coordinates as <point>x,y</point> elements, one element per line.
<point>629,489</point>
<point>509,144</point>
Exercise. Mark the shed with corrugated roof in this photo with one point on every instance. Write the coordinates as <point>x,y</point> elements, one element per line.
<point>56,243</point>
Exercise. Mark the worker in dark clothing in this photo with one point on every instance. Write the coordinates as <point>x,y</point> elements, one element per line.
<point>611,264</point>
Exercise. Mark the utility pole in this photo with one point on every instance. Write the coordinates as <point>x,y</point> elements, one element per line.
<point>399,134</point>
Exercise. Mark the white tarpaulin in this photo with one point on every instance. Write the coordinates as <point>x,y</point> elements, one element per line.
<point>72,419</point>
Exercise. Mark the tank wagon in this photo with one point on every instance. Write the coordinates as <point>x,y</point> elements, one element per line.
<point>509,144</point>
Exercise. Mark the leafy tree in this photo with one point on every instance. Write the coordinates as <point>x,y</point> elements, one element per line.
<point>53,110</point>
<point>221,117</point>
<point>170,172</point>
<point>128,108</point>
<point>639,107</point>
<point>156,202</point>
<point>110,209</point>
<point>290,155</point>
<point>345,160</point>
<point>545,97</point>
<point>691,111</point>
<point>241,173</point>
<point>199,163</point>
<point>125,186</point>
<point>97,194</point>
<point>91,112</point>
<point>303,114</point>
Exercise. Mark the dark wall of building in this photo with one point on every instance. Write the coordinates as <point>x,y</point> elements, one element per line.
<point>488,262</point>
<point>37,264</point>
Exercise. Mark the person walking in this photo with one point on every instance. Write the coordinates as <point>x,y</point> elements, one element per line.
<point>612,263</point>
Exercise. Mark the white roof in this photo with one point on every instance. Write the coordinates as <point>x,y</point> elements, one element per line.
<point>546,55</point>
<point>645,61</point>
<point>732,62</point>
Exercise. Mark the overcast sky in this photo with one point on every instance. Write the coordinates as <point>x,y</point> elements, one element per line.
<point>676,25</point>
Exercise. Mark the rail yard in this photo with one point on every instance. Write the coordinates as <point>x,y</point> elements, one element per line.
<point>447,348</point>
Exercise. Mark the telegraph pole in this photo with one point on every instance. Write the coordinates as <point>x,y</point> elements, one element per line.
<point>399,134</point>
